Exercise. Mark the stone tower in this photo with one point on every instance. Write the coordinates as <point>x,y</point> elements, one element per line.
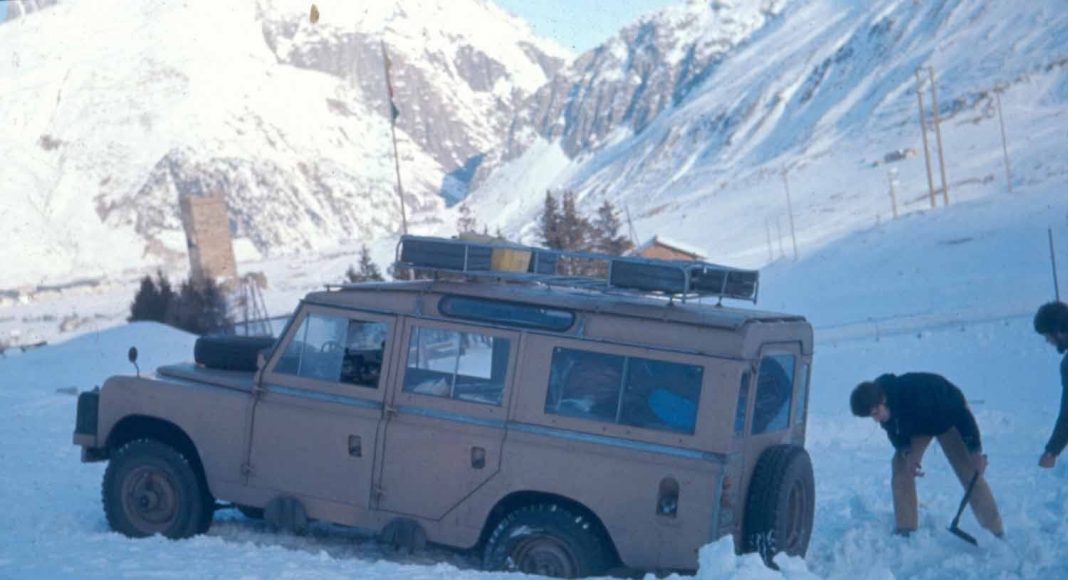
<point>207,234</point>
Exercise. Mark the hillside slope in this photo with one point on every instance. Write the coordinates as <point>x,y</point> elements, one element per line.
<point>112,109</point>
<point>821,89</point>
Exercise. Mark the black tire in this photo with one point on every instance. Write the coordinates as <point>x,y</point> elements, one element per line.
<point>151,488</point>
<point>781,504</point>
<point>230,353</point>
<point>550,540</point>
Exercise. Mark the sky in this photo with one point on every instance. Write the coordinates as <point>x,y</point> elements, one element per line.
<point>580,25</point>
<point>3,9</point>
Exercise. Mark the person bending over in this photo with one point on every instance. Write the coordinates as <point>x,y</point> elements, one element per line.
<point>913,409</point>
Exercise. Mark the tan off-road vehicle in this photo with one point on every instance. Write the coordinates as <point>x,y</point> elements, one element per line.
<point>567,425</point>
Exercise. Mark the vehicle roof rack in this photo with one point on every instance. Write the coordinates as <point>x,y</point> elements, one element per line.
<point>504,261</point>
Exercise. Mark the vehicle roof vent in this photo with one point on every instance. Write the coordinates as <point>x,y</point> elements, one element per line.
<point>479,259</point>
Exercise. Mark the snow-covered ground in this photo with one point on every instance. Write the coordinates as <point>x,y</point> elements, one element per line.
<point>950,291</point>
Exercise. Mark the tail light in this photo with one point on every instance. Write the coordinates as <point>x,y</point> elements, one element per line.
<point>726,498</point>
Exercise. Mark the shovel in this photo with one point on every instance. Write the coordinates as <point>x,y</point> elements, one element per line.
<point>954,527</point>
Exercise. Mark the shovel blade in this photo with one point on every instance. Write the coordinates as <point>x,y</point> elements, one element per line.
<point>963,535</point>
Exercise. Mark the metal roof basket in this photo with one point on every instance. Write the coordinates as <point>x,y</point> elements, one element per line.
<point>592,271</point>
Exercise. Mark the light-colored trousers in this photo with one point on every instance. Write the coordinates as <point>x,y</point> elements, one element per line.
<point>904,483</point>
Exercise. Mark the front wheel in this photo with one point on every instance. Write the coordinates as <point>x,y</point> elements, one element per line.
<point>781,503</point>
<point>549,540</point>
<point>150,488</point>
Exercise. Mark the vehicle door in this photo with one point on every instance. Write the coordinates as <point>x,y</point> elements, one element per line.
<point>446,416</point>
<point>315,423</point>
<point>772,406</point>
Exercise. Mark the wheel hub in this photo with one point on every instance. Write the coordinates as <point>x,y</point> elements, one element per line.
<point>150,499</point>
<point>545,556</point>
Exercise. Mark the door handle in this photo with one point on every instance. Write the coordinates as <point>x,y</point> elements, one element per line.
<point>355,446</point>
<point>478,457</point>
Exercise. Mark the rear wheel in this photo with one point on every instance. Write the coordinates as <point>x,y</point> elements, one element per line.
<point>781,504</point>
<point>549,540</point>
<point>151,488</point>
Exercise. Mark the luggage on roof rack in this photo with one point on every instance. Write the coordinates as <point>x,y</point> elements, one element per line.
<point>514,262</point>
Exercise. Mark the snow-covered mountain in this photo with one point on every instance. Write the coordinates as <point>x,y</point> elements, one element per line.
<point>648,67</point>
<point>690,116</point>
<point>112,109</point>
<point>20,8</point>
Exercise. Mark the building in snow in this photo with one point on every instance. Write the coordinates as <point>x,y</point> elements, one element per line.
<point>662,248</point>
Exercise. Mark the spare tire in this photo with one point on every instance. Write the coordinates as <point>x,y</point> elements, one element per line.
<point>781,504</point>
<point>230,353</point>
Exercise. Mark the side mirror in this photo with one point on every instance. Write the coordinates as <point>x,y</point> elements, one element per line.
<point>132,356</point>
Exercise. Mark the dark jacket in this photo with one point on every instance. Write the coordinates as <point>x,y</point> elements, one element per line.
<point>926,404</point>
<point>1059,438</point>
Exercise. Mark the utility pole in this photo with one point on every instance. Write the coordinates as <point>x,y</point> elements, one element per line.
<point>938,135</point>
<point>923,131</point>
<point>393,132</point>
<point>1004,142</point>
<point>893,194</point>
<point>1053,262</point>
<point>790,209</point>
<point>630,227</point>
<point>313,17</point>
<point>778,231</point>
<point>767,229</point>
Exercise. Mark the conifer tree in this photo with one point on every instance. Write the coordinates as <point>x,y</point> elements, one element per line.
<point>606,226</point>
<point>549,223</point>
<point>368,270</point>
<point>200,308</point>
<point>466,223</point>
<point>152,300</point>
<point>574,229</point>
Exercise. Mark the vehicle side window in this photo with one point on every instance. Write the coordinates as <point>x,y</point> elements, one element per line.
<point>802,395</point>
<point>639,392</point>
<point>510,313</point>
<point>661,395</point>
<point>336,349</point>
<point>743,405</point>
<point>775,385</point>
<point>585,385</point>
<point>466,366</point>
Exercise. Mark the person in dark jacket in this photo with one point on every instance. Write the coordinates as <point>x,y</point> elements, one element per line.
<point>1051,321</point>
<point>914,408</point>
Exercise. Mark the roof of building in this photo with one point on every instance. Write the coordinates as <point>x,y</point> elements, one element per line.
<point>672,244</point>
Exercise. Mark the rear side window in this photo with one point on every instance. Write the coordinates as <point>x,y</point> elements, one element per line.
<point>774,393</point>
<point>336,349</point>
<point>802,395</point>
<point>743,405</point>
<point>508,313</point>
<point>466,366</point>
<point>633,391</point>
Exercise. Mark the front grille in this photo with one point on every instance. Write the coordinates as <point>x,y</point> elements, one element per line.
<point>88,405</point>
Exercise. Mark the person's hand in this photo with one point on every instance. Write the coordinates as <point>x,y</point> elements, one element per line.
<point>1047,461</point>
<point>979,462</point>
<point>912,464</point>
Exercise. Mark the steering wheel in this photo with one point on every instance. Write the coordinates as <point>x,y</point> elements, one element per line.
<point>331,346</point>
